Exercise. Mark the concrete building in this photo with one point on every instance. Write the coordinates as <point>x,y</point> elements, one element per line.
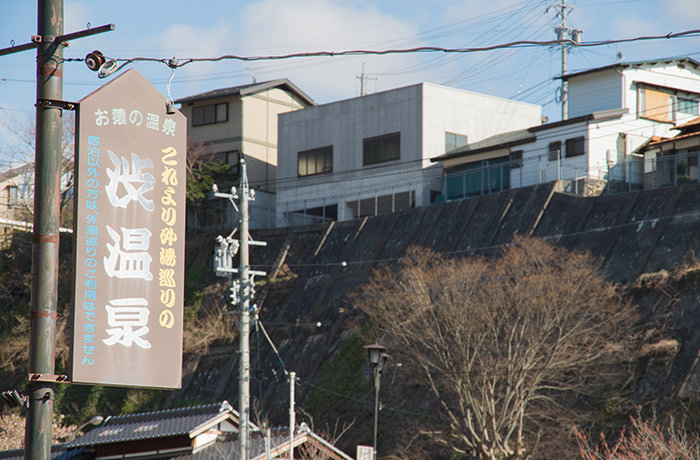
<point>371,155</point>
<point>613,111</point>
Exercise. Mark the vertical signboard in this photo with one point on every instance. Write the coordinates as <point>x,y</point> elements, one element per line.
<point>129,235</point>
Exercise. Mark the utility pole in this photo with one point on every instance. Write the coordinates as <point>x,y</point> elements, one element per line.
<point>565,33</point>
<point>363,77</point>
<point>244,338</point>
<point>292,414</point>
<point>45,241</point>
<point>48,157</point>
<point>564,52</point>
<point>242,291</point>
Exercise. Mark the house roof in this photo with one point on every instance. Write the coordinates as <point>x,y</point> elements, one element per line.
<point>687,130</point>
<point>524,136</point>
<point>598,116</point>
<point>161,426</point>
<point>626,65</point>
<point>499,141</point>
<point>247,90</point>
<point>670,140</point>
<point>692,125</point>
<point>149,425</point>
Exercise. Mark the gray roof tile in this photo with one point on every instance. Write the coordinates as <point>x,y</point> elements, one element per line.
<point>158,424</point>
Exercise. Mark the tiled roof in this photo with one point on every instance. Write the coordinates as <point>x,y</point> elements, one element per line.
<point>673,139</point>
<point>158,424</point>
<point>691,125</point>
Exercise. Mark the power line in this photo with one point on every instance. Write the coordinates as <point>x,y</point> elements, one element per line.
<point>176,63</point>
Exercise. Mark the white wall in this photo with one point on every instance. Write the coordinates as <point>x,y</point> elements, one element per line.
<point>670,76</point>
<point>600,136</point>
<point>422,113</point>
<point>595,92</point>
<point>616,88</point>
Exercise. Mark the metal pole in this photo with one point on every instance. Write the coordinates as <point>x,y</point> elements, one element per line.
<point>377,381</point>
<point>244,374</point>
<point>564,83</point>
<point>292,415</point>
<point>48,156</point>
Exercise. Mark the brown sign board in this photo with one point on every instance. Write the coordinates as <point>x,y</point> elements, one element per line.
<point>129,237</point>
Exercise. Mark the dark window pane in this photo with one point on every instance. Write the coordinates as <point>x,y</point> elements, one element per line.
<point>209,114</point>
<point>575,147</point>
<point>381,148</point>
<point>516,159</point>
<point>315,161</point>
<point>554,150</point>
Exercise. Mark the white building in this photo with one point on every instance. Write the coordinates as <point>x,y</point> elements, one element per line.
<point>371,154</point>
<point>613,111</point>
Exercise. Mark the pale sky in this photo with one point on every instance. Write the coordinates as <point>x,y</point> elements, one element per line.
<point>211,28</point>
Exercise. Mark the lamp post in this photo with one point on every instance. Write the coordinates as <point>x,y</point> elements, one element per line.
<point>96,420</point>
<point>377,359</point>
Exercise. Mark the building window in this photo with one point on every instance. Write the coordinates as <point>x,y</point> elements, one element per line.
<point>664,106</point>
<point>575,146</point>
<point>686,106</point>
<point>454,141</point>
<point>209,114</point>
<point>381,148</point>
<point>315,161</point>
<point>554,150</point>
<point>516,159</point>
<point>656,105</point>
<point>12,196</point>
<point>231,158</point>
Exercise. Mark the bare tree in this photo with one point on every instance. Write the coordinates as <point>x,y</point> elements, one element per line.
<point>506,345</point>
<point>17,149</point>
<point>642,440</point>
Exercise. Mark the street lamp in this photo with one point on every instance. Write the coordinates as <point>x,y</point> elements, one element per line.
<point>377,359</point>
<point>96,420</point>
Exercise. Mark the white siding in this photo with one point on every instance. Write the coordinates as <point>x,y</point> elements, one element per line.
<point>595,92</point>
